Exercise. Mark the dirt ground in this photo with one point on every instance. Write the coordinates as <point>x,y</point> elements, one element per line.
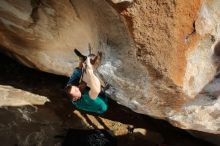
<point>130,128</point>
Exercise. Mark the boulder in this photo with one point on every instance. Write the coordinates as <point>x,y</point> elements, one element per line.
<point>161,58</point>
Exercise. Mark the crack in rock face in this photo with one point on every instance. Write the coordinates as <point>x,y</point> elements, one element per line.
<point>159,57</point>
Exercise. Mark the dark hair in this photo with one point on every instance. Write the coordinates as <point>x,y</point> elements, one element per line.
<point>67,90</point>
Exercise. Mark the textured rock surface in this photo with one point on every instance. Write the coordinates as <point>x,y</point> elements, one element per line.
<point>162,61</point>
<point>37,115</point>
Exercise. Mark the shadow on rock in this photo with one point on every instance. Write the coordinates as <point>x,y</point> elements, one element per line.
<point>40,124</point>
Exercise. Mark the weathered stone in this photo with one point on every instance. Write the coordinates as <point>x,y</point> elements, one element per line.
<point>41,123</point>
<point>9,97</point>
<point>162,61</point>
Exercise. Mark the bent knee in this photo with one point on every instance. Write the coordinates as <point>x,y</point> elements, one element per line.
<point>103,109</point>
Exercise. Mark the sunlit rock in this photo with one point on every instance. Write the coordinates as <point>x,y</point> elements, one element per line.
<point>161,58</point>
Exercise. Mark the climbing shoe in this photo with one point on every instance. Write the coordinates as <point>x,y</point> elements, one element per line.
<point>81,57</point>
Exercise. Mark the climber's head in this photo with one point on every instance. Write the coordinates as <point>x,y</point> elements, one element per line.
<point>73,92</point>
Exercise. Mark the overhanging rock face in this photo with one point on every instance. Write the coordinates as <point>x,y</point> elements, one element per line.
<point>43,34</point>
<point>161,58</point>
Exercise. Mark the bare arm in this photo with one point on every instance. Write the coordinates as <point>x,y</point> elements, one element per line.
<point>92,81</point>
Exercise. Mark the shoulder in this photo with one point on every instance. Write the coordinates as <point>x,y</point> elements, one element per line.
<point>87,93</point>
<point>93,95</point>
